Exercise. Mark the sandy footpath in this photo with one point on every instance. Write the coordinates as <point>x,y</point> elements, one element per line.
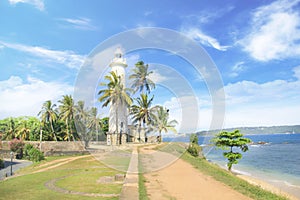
<point>181,180</point>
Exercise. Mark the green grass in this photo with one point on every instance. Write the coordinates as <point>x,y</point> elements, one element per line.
<point>142,187</point>
<point>40,165</point>
<point>118,160</point>
<point>175,148</point>
<point>230,179</point>
<point>80,175</point>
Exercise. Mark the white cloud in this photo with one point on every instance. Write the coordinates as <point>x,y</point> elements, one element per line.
<point>296,71</point>
<point>208,16</point>
<point>275,32</point>
<point>252,92</point>
<point>156,77</point>
<point>191,113</point>
<point>39,4</point>
<point>132,59</point>
<point>184,112</point>
<point>248,103</point>
<point>19,97</point>
<point>262,116</point>
<point>237,68</point>
<point>271,103</point>
<point>198,35</point>
<point>81,23</point>
<point>67,58</point>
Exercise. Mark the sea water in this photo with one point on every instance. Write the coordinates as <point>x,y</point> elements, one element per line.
<point>274,158</point>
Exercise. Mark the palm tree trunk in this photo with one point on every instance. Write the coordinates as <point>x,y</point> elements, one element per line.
<point>97,134</point>
<point>41,137</point>
<point>160,139</point>
<point>117,124</point>
<point>145,133</point>
<point>53,131</point>
<point>140,127</point>
<point>67,122</point>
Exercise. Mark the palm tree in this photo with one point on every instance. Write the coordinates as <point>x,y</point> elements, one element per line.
<point>81,113</point>
<point>48,114</point>
<point>82,118</point>
<point>23,130</point>
<point>161,123</point>
<point>141,79</point>
<point>11,129</point>
<point>94,122</point>
<point>115,94</point>
<point>67,112</point>
<point>142,112</point>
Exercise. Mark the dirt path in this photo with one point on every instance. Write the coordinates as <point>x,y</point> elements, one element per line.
<point>58,163</point>
<point>181,180</point>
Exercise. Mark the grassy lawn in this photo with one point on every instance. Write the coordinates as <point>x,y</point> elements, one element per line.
<point>118,159</point>
<point>229,179</point>
<point>176,148</point>
<point>80,175</point>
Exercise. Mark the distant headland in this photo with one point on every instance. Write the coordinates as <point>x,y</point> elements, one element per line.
<point>259,130</point>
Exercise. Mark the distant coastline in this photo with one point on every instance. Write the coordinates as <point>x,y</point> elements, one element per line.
<point>291,129</point>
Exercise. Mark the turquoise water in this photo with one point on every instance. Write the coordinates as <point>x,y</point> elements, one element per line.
<point>276,162</point>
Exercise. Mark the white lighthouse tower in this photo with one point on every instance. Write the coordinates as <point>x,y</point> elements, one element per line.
<point>118,113</point>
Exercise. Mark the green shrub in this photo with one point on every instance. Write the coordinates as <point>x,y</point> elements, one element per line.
<point>27,148</point>
<point>194,138</point>
<point>32,153</point>
<point>194,148</point>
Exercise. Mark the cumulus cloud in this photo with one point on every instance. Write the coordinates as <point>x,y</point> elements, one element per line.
<point>184,112</point>
<point>208,16</point>
<point>39,4</point>
<point>262,116</point>
<point>275,32</point>
<point>25,97</point>
<point>296,71</point>
<point>67,58</point>
<point>156,77</point>
<point>191,112</point>
<point>81,23</point>
<point>132,59</point>
<point>198,35</point>
<point>237,69</point>
<point>275,102</point>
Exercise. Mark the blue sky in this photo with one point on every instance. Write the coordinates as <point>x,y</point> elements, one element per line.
<point>255,45</point>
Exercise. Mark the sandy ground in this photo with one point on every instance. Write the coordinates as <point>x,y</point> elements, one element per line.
<point>180,180</point>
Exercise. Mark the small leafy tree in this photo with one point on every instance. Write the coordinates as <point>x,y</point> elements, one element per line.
<point>230,140</point>
<point>194,147</point>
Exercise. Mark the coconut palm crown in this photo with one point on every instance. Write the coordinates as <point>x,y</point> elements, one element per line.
<point>141,79</point>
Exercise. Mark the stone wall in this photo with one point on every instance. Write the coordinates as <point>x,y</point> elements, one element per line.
<point>51,147</point>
